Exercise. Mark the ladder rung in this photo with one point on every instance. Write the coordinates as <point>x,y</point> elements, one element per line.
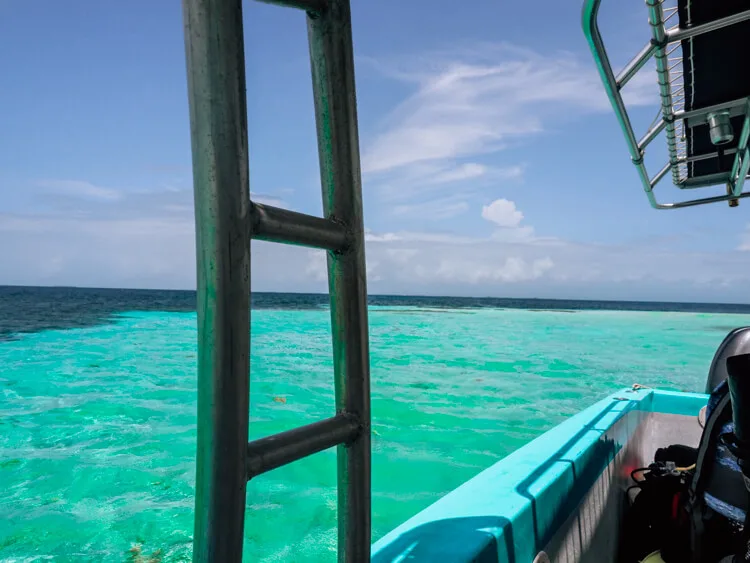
<point>281,225</point>
<point>314,6</point>
<point>274,451</point>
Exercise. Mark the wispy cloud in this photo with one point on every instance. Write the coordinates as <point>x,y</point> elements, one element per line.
<point>100,202</point>
<point>468,105</point>
<point>442,208</point>
<point>476,101</point>
<point>424,181</point>
<point>463,172</point>
<point>79,189</point>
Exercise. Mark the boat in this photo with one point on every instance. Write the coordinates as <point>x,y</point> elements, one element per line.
<point>560,498</point>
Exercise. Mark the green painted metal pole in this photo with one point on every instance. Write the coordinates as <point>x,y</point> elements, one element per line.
<point>218,126</point>
<point>332,61</point>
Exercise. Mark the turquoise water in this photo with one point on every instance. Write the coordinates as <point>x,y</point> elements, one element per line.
<point>97,425</point>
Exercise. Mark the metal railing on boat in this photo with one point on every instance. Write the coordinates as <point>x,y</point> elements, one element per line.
<point>226,221</point>
<point>673,120</point>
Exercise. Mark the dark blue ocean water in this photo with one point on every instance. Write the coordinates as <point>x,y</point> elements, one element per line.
<point>31,309</point>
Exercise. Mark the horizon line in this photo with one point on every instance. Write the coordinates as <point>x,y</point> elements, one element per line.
<point>412,295</point>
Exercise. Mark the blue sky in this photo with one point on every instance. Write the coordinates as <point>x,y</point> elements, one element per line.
<point>492,163</point>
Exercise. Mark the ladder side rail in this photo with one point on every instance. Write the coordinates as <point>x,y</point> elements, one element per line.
<point>332,62</point>
<point>218,127</point>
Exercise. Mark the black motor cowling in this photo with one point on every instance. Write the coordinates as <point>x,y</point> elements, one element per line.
<point>738,372</point>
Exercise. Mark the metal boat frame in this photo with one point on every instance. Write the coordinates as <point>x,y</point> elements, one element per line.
<point>663,46</point>
<point>226,221</point>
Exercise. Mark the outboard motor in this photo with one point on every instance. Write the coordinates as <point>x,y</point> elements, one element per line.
<point>738,371</point>
<point>735,343</point>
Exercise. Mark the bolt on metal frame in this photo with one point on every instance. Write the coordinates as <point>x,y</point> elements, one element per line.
<point>672,117</point>
<point>226,220</point>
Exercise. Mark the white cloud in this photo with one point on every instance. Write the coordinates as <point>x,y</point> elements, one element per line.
<point>507,220</point>
<point>513,269</point>
<point>466,106</point>
<point>476,101</point>
<point>532,266</point>
<point>426,182</point>
<point>503,213</point>
<point>463,172</point>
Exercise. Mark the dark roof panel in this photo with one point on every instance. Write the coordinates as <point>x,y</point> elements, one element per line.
<point>716,70</point>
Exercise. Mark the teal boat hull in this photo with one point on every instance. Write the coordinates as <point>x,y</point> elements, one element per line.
<point>563,493</point>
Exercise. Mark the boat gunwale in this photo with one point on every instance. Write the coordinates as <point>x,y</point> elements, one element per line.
<point>531,492</point>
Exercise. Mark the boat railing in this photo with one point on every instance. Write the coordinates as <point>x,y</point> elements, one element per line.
<point>665,46</point>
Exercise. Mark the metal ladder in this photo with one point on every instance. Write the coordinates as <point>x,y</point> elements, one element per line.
<point>226,220</point>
